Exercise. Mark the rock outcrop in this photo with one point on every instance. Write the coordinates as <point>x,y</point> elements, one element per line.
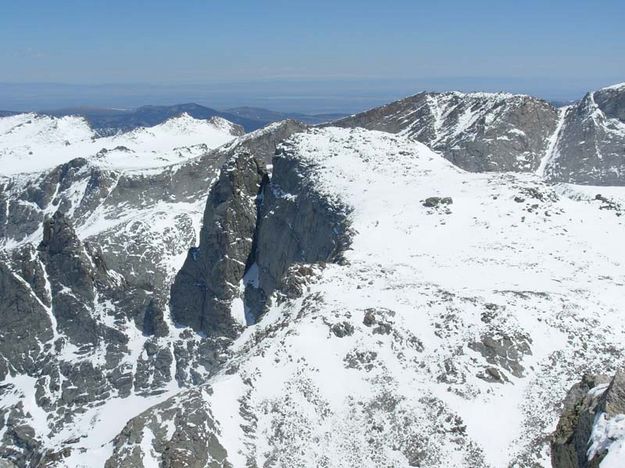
<point>25,324</point>
<point>297,225</point>
<point>253,230</point>
<point>202,293</point>
<point>194,442</point>
<point>593,419</point>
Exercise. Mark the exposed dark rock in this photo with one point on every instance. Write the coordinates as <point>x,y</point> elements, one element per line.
<point>194,442</point>
<point>203,290</point>
<point>27,264</point>
<point>293,282</point>
<point>342,329</point>
<point>154,319</point>
<point>297,225</point>
<point>435,202</point>
<point>504,351</point>
<point>369,319</point>
<point>379,320</point>
<point>25,324</point>
<point>72,275</point>
<point>493,374</point>
<point>570,441</point>
<point>364,360</point>
<point>608,204</point>
<point>19,443</point>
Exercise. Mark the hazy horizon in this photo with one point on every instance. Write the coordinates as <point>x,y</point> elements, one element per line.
<point>305,96</point>
<point>313,57</point>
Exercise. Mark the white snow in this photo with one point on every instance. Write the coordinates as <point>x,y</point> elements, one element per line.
<point>551,153</point>
<point>32,143</point>
<point>511,256</point>
<point>608,434</point>
<point>615,86</point>
<point>434,270</point>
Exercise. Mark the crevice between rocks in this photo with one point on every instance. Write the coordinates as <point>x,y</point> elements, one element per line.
<point>289,223</point>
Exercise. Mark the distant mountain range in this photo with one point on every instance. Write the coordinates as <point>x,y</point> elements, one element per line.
<point>264,115</point>
<point>109,121</point>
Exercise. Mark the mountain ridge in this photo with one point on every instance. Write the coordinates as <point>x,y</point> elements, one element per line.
<point>348,286</point>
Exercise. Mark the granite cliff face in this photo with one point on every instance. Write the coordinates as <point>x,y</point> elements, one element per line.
<point>202,293</point>
<point>254,229</point>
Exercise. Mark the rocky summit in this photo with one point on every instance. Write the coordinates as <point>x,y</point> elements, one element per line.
<point>437,282</point>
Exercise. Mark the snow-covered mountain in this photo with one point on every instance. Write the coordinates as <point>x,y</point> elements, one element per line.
<point>476,131</point>
<point>87,257</point>
<point>312,297</point>
<point>590,144</point>
<point>582,143</point>
<point>32,143</point>
<point>444,335</point>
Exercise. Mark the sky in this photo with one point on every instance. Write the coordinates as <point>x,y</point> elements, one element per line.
<point>322,55</point>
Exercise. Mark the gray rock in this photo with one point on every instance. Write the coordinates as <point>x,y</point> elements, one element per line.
<point>297,225</point>
<point>251,227</point>
<point>435,202</point>
<point>72,277</point>
<point>342,329</point>
<point>590,147</point>
<point>194,442</point>
<point>504,351</point>
<point>478,132</point>
<point>25,324</point>
<point>570,441</point>
<point>203,290</point>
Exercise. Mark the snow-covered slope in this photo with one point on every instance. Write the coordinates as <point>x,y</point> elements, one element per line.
<point>445,337</point>
<point>32,143</point>
<point>87,255</point>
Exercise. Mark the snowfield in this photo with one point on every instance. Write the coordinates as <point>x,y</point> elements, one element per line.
<point>447,339</point>
<point>32,143</point>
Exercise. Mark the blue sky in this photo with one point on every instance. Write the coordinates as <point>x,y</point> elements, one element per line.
<point>552,48</point>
